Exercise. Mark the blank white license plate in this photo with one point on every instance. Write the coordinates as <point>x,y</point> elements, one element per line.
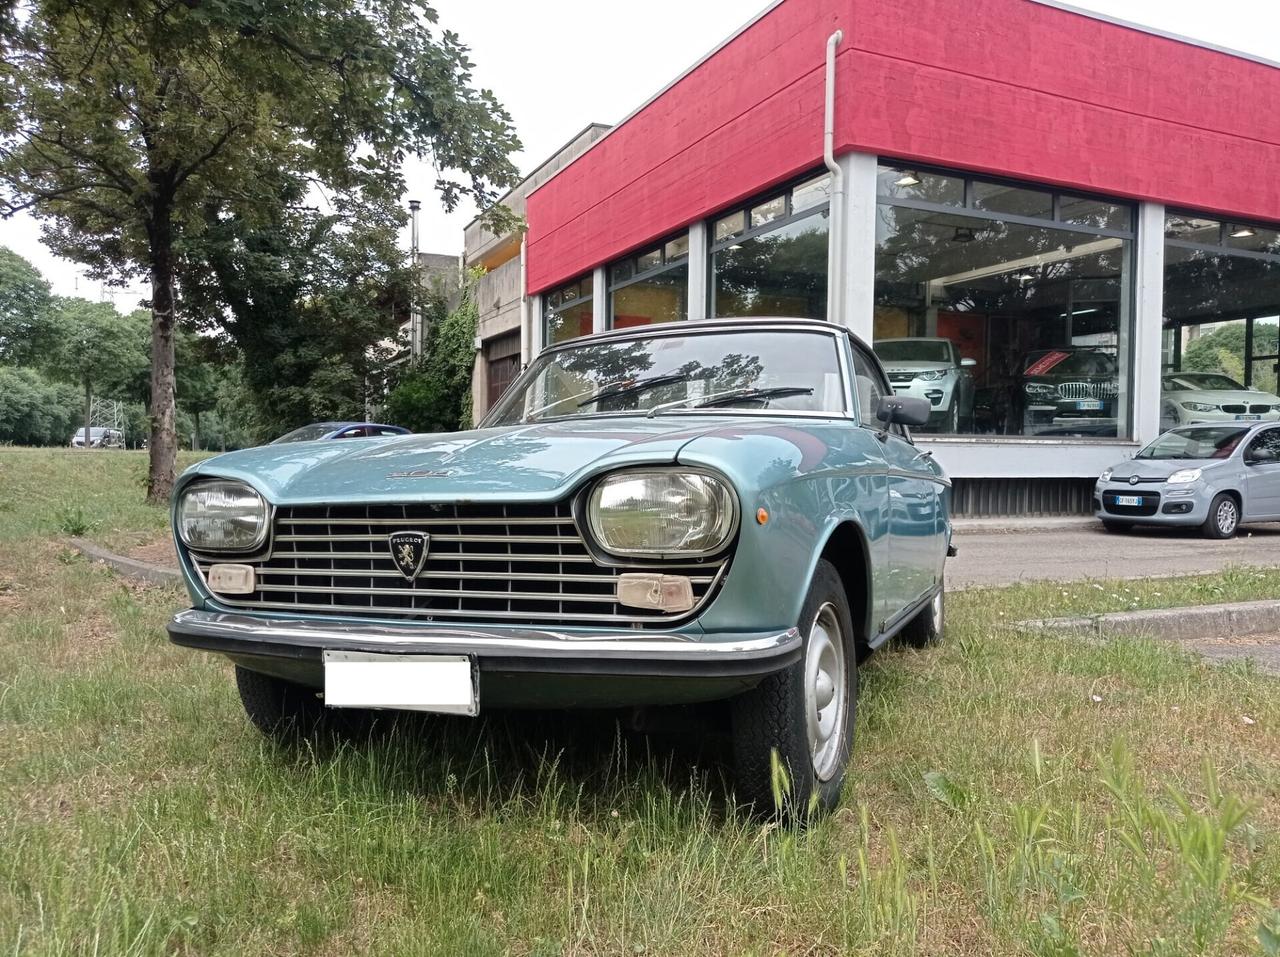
<point>1248,418</point>
<point>1129,500</point>
<point>1088,405</point>
<point>443,683</point>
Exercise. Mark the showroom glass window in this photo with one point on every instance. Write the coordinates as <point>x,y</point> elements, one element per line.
<point>650,286</point>
<point>769,257</point>
<point>566,311</point>
<point>1221,321</point>
<point>1007,306</point>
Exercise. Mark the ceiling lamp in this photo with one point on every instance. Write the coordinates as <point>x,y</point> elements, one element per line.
<point>1243,232</point>
<point>907,179</point>
<point>963,234</point>
<point>1024,278</point>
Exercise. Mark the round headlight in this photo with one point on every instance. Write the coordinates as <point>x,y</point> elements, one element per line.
<point>221,516</point>
<point>661,513</point>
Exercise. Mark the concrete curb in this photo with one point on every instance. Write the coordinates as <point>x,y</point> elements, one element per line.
<point>1015,525</point>
<point>1176,624</point>
<point>130,568</point>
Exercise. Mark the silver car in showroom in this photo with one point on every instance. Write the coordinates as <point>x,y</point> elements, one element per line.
<point>1212,476</point>
<point>931,369</point>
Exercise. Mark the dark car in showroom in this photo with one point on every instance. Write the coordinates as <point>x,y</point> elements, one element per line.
<point>1069,389</point>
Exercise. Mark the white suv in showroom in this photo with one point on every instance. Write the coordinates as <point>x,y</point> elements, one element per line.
<point>931,369</point>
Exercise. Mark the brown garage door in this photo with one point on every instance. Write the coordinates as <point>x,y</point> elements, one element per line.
<point>502,354</point>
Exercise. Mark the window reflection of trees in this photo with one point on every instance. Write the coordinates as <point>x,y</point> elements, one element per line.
<point>783,273</point>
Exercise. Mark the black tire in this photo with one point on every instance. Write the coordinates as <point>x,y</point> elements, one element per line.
<point>1224,517</point>
<point>288,711</point>
<point>929,624</point>
<point>1116,528</point>
<point>772,719</point>
<point>951,425</point>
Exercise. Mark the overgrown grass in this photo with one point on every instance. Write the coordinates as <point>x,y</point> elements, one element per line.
<point>1010,794</point>
<point>96,493</point>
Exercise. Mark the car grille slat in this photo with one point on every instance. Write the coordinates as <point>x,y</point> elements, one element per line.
<point>513,563</point>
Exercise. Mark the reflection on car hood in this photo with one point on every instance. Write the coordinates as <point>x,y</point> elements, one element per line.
<point>529,462</point>
<point>913,365</point>
<point>1159,468</point>
<point>1222,396</point>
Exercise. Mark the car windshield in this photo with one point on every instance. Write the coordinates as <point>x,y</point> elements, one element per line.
<point>724,372</point>
<point>94,433</point>
<point>1202,442</point>
<point>1060,362</point>
<point>308,433</point>
<point>913,350</point>
<point>1201,381</point>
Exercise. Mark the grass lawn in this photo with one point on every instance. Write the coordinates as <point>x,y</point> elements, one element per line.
<point>1010,793</point>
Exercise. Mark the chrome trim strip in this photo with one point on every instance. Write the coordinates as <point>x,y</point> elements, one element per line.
<point>532,642</point>
<point>430,614</point>
<point>495,539</point>
<point>400,522</point>
<point>598,579</point>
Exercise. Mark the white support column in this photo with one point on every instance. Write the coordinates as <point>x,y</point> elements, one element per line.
<point>531,340</point>
<point>1148,325</point>
<point>699,269</point>
<point>599,300</point>
<point>859,272</point>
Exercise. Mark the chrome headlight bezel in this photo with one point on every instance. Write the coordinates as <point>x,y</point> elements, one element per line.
<point>209,486</point>
<point>725,525</point>
<point>931,375</point>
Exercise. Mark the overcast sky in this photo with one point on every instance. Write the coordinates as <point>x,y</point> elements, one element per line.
<point>558,65</point>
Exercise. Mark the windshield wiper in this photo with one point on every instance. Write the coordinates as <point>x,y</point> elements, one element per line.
<point>639,385</point>
<point>731,397</point>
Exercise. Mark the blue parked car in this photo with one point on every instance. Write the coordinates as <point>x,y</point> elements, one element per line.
<point>680,513</point>
<point>339,430</point>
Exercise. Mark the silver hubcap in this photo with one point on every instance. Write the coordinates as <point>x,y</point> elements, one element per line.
<point>938,607</point>
<point>825,692</point>
<point>1226,516</point>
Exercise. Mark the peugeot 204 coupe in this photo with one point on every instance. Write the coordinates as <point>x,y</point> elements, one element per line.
<point>680,513</point>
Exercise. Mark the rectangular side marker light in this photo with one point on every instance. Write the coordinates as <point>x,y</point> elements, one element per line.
<point>228,579</point>
<point>655,592</point>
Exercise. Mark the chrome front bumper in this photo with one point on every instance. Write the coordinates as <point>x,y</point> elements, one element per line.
<point>495,648</point>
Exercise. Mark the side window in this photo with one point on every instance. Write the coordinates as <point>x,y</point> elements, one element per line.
<point>871,387</point>
<point>1268,440</point>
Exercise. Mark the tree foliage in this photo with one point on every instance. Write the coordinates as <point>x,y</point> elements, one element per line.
<point>24,305</point>
<point>131,125</point>
<point>434,394</point>
<point>36,410</point>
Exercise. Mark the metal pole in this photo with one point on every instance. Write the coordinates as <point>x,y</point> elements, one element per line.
<point>835,238</point>
<point>415,314</point>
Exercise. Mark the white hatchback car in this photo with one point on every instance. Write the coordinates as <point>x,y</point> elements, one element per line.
<point>1201,398</point>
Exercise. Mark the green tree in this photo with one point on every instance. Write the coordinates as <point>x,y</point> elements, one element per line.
<point>434,394</point>
<point>24,304</point>
<point>35,410</point>
<point>94,347</point>
<point>124,121</point>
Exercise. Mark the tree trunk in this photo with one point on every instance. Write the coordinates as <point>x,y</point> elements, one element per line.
<point>164,440</point>
<point>88,411</point>
<point>195,433</point>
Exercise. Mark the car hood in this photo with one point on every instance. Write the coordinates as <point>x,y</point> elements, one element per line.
<point>1159,468</point>
<point>1222,396</point>
<point>514,463</point>
<point>905,365</point>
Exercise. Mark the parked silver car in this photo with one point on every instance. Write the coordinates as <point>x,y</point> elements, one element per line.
<point>1213,476</point>
<point>931,369</point>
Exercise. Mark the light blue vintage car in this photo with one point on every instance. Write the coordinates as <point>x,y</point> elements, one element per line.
<point>681,513</point>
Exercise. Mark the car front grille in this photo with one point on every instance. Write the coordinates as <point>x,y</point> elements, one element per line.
<point>1087,390</point>
<point>524,564</point>
<point>1150,502</point>
<point>1235,409</point>
<point>901,377</point>
<point>1259,409</point>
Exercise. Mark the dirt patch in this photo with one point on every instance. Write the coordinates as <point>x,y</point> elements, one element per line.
<point>160,553</point>
<point>1263,650</point>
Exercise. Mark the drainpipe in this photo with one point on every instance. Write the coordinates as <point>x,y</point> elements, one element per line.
<point>835,240</point>
<point>526,324</point>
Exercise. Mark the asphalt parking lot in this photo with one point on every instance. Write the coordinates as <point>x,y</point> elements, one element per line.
<point>995,556</point>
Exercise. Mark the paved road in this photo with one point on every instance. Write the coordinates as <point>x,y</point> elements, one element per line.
<point>1001,557</point>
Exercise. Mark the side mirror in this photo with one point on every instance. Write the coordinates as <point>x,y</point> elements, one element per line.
<point>967,363</point>
<point>903,409</point>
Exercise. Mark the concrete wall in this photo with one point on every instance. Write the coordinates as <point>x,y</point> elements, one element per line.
<point>1008,87</point>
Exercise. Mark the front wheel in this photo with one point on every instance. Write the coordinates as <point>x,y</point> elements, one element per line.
<point>1224,517</point>
<point>793,733</point>
<point>286,710</point>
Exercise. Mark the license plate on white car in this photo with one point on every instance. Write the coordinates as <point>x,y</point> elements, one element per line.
<point>1129,500</point>
<point>441,683</point>
<point>1248,418</point>
<point>1088,405</point>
